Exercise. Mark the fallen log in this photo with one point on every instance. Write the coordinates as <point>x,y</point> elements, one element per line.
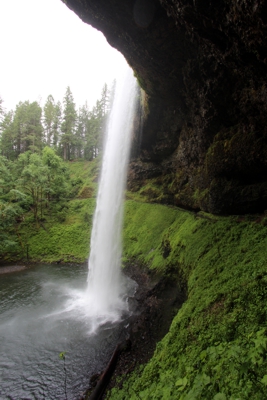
<point>107,374</point>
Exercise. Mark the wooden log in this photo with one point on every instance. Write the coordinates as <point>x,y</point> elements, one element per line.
<point>107,374</point>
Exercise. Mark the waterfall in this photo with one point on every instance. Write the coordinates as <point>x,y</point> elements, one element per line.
<point>105,291</point>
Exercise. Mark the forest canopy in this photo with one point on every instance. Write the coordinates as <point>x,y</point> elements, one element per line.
<point>71,133</point>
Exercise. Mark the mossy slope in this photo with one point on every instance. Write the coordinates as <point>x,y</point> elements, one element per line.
<point>64,241</point>
<point>216,346</point>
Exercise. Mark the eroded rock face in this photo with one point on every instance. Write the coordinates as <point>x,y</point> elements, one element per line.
<point>202,65</point>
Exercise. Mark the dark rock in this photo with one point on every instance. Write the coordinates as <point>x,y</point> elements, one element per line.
<point>202,65</point>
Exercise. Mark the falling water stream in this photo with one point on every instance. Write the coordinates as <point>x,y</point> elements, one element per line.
<point>49,309</point>
<point>106,288</point>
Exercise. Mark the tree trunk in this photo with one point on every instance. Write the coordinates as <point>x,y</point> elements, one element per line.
<point>107,374</point>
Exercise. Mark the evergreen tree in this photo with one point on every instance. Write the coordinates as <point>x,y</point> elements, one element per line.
<point>49,116</point>
<point>22,130</point>
<point>97,127</point>
<point>68,140</point>
<point>90,137</point>
<point>101,113</point>
<point>27,128</point>
<point>81,131</point>
<point>7,136</point>
<point>69,134</point>
<point>34,134</point>
<point>56,125</point>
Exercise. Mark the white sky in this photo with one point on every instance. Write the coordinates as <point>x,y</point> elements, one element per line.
<point>45,47</point>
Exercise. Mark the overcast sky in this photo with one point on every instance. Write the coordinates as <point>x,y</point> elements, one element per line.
<point>45,47</point>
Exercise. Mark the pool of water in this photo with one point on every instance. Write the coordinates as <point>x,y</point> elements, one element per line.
<point>40,317</point>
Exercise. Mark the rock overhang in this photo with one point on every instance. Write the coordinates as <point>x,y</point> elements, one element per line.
<point>203,68</point>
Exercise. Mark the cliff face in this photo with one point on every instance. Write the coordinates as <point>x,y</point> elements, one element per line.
<point>202,65</point>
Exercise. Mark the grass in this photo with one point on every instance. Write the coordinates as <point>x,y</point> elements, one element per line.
<point>216,346</point>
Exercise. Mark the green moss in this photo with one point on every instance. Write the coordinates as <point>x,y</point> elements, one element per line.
<point>64,239</point>
<point>199,195</point>
<point>151,191</point>
<point>144,226</point>
<point>216,345</point>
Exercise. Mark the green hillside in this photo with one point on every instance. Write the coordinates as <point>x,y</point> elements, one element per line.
<point>216,345</point>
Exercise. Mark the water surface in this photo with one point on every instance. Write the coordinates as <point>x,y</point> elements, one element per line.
<point>42,315</point>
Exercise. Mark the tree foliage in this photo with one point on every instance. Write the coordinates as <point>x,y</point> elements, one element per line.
<point>70,132</point>
<point>68,126</point>
<point>35,142</point>
<point>22,130</point>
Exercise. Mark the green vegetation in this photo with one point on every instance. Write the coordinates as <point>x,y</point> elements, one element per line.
<point>66,241</point>
<point>216,346</point>
<point>49,164</point>
<point>217,343</point>
<point>71,133</point>
<point>49,218</point>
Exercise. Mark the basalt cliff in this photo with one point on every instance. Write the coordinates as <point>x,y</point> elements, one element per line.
<point>202,66</point>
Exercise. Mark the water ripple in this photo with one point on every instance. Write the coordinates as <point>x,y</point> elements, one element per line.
<point>40,318</point>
